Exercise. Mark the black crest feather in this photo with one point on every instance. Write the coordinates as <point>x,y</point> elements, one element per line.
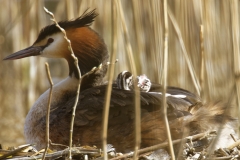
<point>85,19</point>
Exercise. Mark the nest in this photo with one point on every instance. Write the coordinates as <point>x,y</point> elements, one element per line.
<point>197,147</point>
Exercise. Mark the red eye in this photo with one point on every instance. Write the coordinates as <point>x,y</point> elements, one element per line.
<point>50,40</point>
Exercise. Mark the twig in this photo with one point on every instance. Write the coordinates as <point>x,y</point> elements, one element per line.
<point>165,66</point>
<point>56,144</point>
<point>48,109</point>
<point>223,158</point>
<point>233,138</point>
<point>79,83</point>
<point>222,152</point>
<point>136,89</point>
<point>165,144</point>
<point>19,154</point>
<point>110,78</point>
<point>11,153</point>
<point>62,153</point>
<point>189,63</point>
<point>235,144</point>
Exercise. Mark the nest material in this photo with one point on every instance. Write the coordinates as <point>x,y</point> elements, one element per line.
<point>193,148</point>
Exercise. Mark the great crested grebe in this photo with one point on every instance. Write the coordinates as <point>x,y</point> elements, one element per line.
<point>185,110</point>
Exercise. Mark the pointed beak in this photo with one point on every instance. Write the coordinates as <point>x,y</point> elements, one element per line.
<point>30,51</point>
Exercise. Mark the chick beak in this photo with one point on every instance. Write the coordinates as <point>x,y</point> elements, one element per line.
<point>27,52</point>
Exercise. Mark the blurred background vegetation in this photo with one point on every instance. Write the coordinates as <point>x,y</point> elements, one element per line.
<point>214,55</point>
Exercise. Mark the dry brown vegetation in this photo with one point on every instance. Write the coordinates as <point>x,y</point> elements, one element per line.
<point>214,55</point>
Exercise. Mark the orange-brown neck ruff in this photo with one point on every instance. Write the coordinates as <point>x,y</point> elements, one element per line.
<point>87,45</point>
<point>91,51</point>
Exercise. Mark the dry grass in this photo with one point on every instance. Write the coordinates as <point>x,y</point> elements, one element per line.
<point>24,80</point>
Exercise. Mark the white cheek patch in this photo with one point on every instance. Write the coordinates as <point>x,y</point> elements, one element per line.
<point>169,95</point>
<point>53,50</point>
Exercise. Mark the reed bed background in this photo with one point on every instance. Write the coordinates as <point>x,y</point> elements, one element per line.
<point>213,53</point>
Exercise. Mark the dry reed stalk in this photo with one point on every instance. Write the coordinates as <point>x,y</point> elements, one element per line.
<point>209,35</point>
<point>79,83</point>
<point>236,53</point>
<point>189,63</point>
<point>164,84</point>
<point>15,101</point>
<point>218,46</point>
<point>33,76</point>
<point>48,109</point>
<point>138,31</point>
<point>70,9</point>
<point>209,21</point>
<point>17,67</point>
<point>150,44</point>
<point>157,31</point>
<point>202,61</point>
<point>110,79</point>
<point>136,89</point>
<point>235,37</point>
